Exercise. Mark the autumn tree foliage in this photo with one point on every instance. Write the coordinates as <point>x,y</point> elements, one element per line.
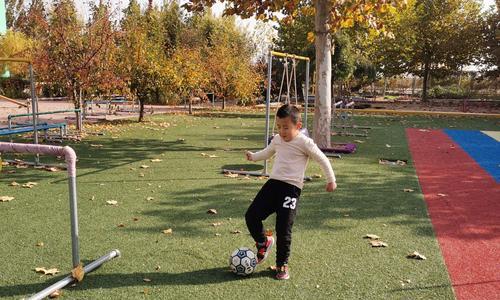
<point>329,17</point>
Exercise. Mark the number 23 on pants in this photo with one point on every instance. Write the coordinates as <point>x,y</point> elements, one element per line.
<point>290,203</point>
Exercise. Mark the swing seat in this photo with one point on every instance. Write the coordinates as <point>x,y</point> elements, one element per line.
<point>346,148</point>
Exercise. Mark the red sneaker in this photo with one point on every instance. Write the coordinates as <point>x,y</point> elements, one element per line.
<point>263,250</point>
<point>282,273</point>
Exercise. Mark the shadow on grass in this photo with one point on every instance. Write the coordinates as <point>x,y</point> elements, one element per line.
<point>116,280</point>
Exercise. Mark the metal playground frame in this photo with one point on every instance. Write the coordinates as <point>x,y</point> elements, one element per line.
<point>287,56</point>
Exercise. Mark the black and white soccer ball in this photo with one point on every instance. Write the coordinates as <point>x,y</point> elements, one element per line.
<point>243,261</point>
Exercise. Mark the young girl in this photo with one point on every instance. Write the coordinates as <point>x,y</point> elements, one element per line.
<point>280,194</point>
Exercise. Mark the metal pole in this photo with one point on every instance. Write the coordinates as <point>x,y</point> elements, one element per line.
<point>74,221</point>
<point>34,108</point>
<point>69,279</point>
<point>306,94</point>
<point>268,102</point>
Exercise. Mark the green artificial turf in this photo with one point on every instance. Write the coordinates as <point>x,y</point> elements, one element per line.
<point>330,259</point>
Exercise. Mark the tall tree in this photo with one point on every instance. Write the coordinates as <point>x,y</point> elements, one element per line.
<point>142,57</point>
<point>448,37</point>
<point>330,16</point>
<point>69,51</point>
<point>491,46</point>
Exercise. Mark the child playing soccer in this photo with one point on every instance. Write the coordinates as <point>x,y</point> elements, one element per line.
<point>280,194</point>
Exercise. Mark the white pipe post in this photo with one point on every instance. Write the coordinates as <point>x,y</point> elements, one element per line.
<point>268,103</point>
<point>306,94</point>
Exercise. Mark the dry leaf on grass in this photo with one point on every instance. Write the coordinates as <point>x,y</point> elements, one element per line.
<point>13,183</point>
<point>121,225</point>
<point>212,211</point>
<point>218,234</point>
<point>416,255</point>
<point>52,169</point>
<point>29,185</point>
<point>167,231</point>
<point>96,145</point>
<point>150,198</point>
<point>146,280</point>
<point>141,175</point>
<point>181,140</point>
<point>388,146</point>
<point>112,202</point>
<point>316,176</point>
<point>78,273</point>
<point>377,243</point>
<point>156,160</point>
<point>56,294</point>
<point>144,166</point>
<point>359,141</point>
<point>371,236</point>
<point>39,244</point>
<point>408,190</point>
<point>235,231</point>
<point>6,198</point>
<point>216,224</point>
<point>231,175</point>
<point>52,271</point>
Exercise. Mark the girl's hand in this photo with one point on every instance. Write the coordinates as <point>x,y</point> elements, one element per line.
<point>249,155</point>
<point>331,186</point>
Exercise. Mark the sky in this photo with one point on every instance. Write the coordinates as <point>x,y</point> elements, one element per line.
<point>120,4</point>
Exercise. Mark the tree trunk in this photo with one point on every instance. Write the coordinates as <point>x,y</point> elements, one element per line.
<point>76,103</point>
<point>385,88</point>
<point>425,80</point>
<point>323,97</point>
<point>141,109</point>
<point>190,105</point>
<point>223,102</point>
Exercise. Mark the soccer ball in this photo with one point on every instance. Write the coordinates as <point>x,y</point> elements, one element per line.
<point>242,261</point>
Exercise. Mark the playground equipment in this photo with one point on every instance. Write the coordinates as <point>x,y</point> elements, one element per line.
<point>34,127</point>
<point>62,126</point>
<point>286,57</point>
<point>343,118</point>
<point>70,158</point>
<point>112,106</point>
<point>4,98</point>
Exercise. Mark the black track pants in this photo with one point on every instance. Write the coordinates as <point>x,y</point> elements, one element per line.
<point>274,197</point>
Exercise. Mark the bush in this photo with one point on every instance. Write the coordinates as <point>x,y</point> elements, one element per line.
<point>449,92</point>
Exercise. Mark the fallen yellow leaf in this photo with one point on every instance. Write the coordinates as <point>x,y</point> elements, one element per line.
<point>29,185</point>
<point>78,273</point>
<point>416,255</point>
<point>6,198</point>
<point>52,271</point>
<point>168,231</point>
<point>371,236</point>
<point>55,294</point>
<point>377,243</point>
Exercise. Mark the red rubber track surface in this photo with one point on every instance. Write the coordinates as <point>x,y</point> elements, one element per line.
<point>465,217</point>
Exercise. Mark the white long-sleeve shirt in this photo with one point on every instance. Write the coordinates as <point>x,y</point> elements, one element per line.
<point>292,157</point>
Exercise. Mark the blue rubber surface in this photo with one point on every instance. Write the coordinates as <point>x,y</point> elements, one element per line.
<point>484,149</point>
